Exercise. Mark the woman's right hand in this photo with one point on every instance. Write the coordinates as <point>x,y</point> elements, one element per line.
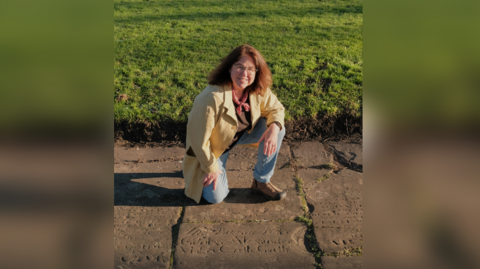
<point>212,178</point>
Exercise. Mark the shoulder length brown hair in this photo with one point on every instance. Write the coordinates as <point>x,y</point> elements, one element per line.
<point>263,78</point>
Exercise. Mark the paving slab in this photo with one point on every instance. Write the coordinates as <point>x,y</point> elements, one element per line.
<point>348,154</point>
<point>148,201</point>
<point>143,236</point>
<point>352,262</point>
<point>127,154</point>
<point>337,239</point>
<point>336,208</point>
<point>243,245</point>
<point>336,201</point>
<point>242,204</point>
<point>149,184</point>
<point>310,153</point>
<point>244,159</point>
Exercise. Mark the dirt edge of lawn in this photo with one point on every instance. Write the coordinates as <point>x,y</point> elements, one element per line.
<point>167,133</point>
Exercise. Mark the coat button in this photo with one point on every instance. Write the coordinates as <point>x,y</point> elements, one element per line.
<point>233,127</point>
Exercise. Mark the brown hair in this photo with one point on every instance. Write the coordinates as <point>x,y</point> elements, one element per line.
<point>263,78</point>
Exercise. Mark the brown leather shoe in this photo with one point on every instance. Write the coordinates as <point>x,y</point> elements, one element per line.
<point>268,190</point>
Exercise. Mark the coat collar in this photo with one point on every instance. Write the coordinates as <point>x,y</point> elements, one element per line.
<point>230,107</point>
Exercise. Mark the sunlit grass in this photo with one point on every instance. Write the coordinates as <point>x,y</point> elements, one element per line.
<point>164,51</point>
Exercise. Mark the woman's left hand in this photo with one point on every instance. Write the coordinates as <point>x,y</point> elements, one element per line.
<point>270,137</point>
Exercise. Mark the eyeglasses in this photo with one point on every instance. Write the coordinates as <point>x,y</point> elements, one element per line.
<point>241,68</point>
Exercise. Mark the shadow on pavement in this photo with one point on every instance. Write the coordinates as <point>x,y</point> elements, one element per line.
<point>162,189</point>
<point>156,189</point>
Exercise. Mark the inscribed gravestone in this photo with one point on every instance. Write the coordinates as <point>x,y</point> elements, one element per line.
<point>143,236</point>
<point>337,210</point>
<point>242,204</point>
<point>148,200</point>
<point>243,245</point>
<point>336,201</point>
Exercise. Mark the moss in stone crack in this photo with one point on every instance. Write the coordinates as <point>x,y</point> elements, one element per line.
<point>175,232</point>
<point>305,219</point>
<point>310,238</point>
<point>346,252</point>
<point>325,177</point>
<point>330,165</point>
<point>299,185</point>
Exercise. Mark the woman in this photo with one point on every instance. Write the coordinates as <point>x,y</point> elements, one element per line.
<point>236,108</point>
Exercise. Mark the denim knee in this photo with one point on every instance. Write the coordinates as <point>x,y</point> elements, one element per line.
<point>281,133</point>
<point>214,199</point>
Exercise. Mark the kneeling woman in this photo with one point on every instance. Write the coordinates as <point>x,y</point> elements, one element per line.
<point>236,108</point>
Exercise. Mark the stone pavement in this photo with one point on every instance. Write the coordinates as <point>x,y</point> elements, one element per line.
<point>318,225</point>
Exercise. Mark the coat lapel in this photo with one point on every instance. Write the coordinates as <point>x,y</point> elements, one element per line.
<point>229,107</point>
<point>254,106</point>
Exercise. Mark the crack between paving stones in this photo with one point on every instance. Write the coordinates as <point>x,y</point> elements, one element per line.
<point>238,221</point>
<point>306,219</point>
<point>175,232</point>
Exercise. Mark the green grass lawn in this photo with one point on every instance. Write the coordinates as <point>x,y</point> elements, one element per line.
<point>164,50</point>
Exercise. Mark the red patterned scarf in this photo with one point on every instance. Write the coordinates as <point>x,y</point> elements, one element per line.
<point>241,103</point>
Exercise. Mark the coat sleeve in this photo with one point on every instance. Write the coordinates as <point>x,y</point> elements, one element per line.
<point>201,122</point>
<point>272,109</point>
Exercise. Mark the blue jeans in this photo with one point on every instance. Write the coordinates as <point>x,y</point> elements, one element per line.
<point>263,169</point>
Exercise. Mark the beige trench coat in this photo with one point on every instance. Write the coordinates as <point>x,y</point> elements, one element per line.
<point>212,124</point>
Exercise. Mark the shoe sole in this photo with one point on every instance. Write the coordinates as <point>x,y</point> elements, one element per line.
<point>282,195</point>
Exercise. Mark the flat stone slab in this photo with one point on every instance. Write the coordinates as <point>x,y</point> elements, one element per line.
<point>149,184</point>
<point>352,262</point>
<point>243,245</point>
<point>242,204</point>
<point>348,154</point>
<point>143,236</point>
<point>310,153</point>
<point>244,159</point>
<point>336,209</point>
<point>337,239</point>
<point>124,154</point>
<point>336,201</point>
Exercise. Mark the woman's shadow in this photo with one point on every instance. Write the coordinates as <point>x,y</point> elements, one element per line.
<point>166,189</point>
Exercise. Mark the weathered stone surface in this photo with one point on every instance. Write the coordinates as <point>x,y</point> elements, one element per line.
<point>143,236</point>
<point>244,159</point>
<point>336,206</point>
<point>149,184</point>
<point>336,201</point>
<point>242,204</point>
<point>312,177</point>
<point>352,262</point>
<point>335,239</point>
<point>148,200</point>
<point>310,153</point>
<point>123,154</point>
<point>243,245</point>
<point>348,154</point>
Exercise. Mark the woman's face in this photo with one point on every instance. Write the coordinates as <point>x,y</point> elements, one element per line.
<point>242,72</point>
